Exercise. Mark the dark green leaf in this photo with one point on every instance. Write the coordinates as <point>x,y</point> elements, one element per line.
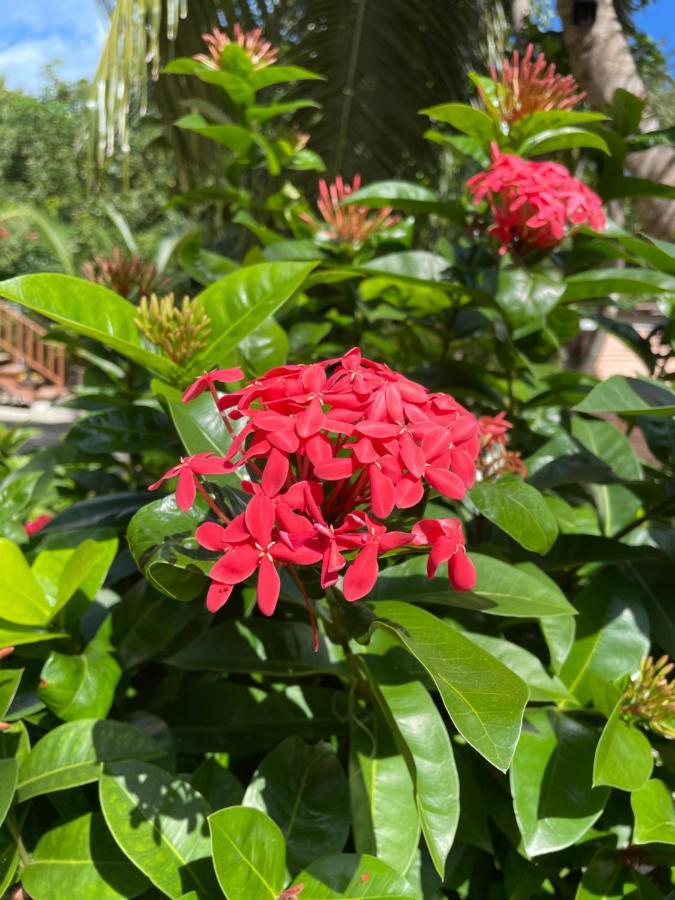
<point>519,510</point>
<point>406,196</point>
<point>551,140</point>
<point>630,397</point>
<point>472,122</point>
<point>304,790</point>
<point>553,799</point>
<point>9,683</point>
<point>8,778</point>
<point>654,814</point>
<point>234,137</point>
<point>527,296</point>
<point>602,282</point>
<point>129,429</point>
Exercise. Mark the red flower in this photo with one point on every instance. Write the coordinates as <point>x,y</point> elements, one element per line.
<point>350,224</point>
<point>32,526</point>
<point>208,380</point>
<point>259,51</point>
<point>534,204</point>
<point>333,448</point>
<point>526,87</point>
<point>447,545</point>
<point>188,471</point>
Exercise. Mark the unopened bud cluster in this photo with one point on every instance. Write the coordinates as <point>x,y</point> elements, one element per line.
<point>179,331</point>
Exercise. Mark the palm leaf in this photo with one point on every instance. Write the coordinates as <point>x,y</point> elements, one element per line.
<point>383,61</point>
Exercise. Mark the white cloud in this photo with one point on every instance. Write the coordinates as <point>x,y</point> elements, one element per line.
<point>34,33</point>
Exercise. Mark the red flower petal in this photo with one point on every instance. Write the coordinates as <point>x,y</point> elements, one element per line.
<point>237,565</point>
<point>274,476</point>
<point>462,572</point>
<point>218,595</point>
<point>446,483</point>
<point>259,517</point>
<point>186,490</point>
<point>381,492</point>
<point>211,536</point>
<point>269,585</point>
<point>361,576</point>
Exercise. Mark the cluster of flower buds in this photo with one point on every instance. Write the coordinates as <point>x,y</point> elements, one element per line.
<point>259,51</point>
<point>126,274</point>
<point>535,205</point>
<point>352,224</point>
<point>494,459</point>
<point>526,86</point>
<point>180,331</point>
<point>334,449</point>
<point>650,696</point>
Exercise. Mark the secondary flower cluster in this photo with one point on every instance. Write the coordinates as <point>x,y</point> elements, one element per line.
<point>259,51</point>
<point>527,86</point>
<point>334,448</point>
<point>534,204</point>
<point>494,458</point>
<point>352,224</point>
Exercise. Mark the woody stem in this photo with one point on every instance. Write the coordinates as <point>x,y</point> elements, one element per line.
<point>211,502</point>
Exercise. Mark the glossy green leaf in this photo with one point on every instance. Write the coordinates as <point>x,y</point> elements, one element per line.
<point>527,296</point>
<point>249,854</point>
<point>257,645</point>
<point>351,877</point>
<point>551,140</point>
<point>654,814</point>
<point>612,634</point>
<point>71,754</point>
<point>385,817</point>
<point>9,860</point>
<point>623,757</point>
<point>518,509</point>
<point>22,600</point>
<point>422,737</point>
<point>160,824</point>
<point>501,589</point>
<point>80,859</point>
<point>8,778</point>
<point>485,700</point>
<point>81,686</point>
<point>276,74</point>
<point>9,684</point>
<point>90,310</point>
<point>240,302</point>
<point>234,137</point>
<point>554,801</point>
<point>61,573</point>
<point>127,429</point>
<point>601,282</point>
<point>216,783</point>
<point>471,121</point>
<point>403,195</point>
<point>235,86</point>
<point>525,665</point>
<point>630,397</point>
<point>601,880</point>
<point>544,120</point>
<point>605,441</point>
<point>304,790</point>
<point>12,635</point>
<point>416,264</point>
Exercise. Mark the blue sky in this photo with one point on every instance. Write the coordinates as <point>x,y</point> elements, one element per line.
<point>36,32</point>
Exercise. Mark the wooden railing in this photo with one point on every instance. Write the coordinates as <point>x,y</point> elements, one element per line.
<point>24,340</point>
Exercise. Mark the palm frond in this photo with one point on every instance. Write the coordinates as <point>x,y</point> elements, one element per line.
<point>383,61</point>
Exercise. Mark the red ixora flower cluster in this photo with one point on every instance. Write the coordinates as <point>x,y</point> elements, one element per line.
<point>534,204</point>
<point>494,458</point>
<point>335,447</point>
<point>259,51</point>
<point>351,224</point>
<point>526,86</point>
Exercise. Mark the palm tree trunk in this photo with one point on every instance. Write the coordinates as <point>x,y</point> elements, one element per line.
<point>602,61</point>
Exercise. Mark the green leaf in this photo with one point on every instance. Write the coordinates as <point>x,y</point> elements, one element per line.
<point>9,860</point>
<point>350,877</point>
<point>8,778</point>
<point>551,140</point>
<point>257,645</point>
<point>160,824</point>
<point>519,510</point>
<point>80,859</point>
<point>61,573</point>
<point>249,854</point>
<point>654,814</point>
<point>553,799</point>
<point>604,440</point>
<point>280,74</point>
<point>527,296</point>
<point>90,310</point>
<point>199,425</point>
<point>238,303</point>
<point>403,195</point>
<point>161,540</point>
<point>501,589</point>
<point>544,120</point>
<point>15,635</point>
<point>626,186</point>
<point>81,686</point>
<point>601,879</point>
<point>473,122</point>
<point>71,755</point>
<point>421,736</point>
<point>525,664</point>
<point>234,137</point>
<point>385,817</point>
<point>630,397</point>
<point>237,88</point>
<point>612,634</point>
<point>485,700</point>
<point>9,684</point>
<point>419,265</point>
<point>623,757</point>
<point>22,600</point>
<point>216,783</point>
<point>304,790</point>
<point>602,282</point>
<point>128,429</point>
<point>264,113</point>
